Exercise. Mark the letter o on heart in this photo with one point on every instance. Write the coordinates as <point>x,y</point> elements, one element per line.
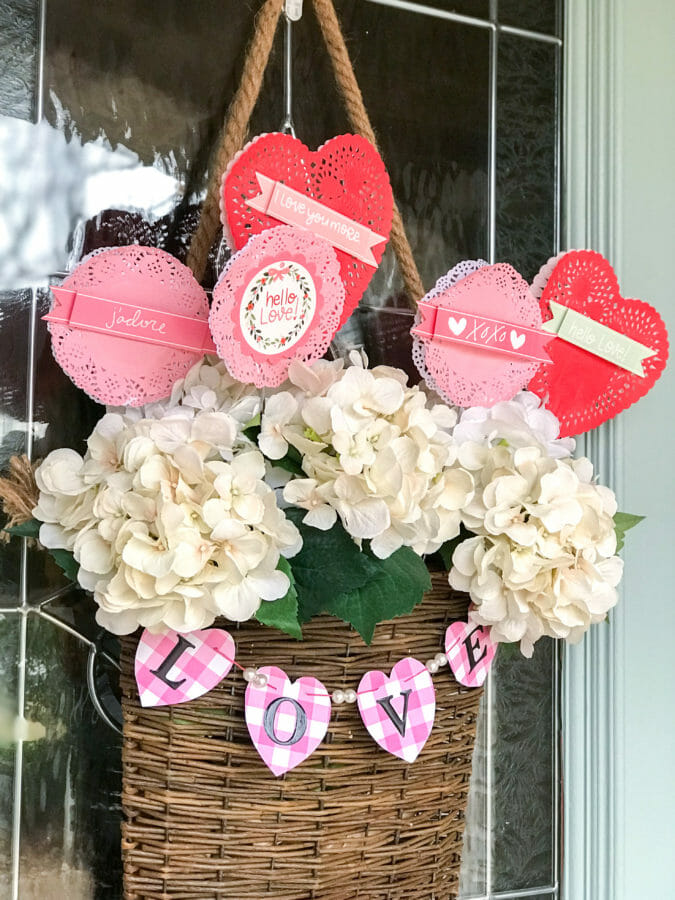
<point>300,721</point>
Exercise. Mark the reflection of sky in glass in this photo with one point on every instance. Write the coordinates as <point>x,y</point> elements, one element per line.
<point>48,184</point>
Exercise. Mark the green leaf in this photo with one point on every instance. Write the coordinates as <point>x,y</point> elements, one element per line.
<point>29,529</point>
<point>623,522</point>
<point>252,433</point>
<point>330,563</point>
<point>397,587</point>
<point>292,462</point>
<point>282,613</point>
<point>333,575</point>
<point>66,560</point>
<point>253,423</point>
<point>63,558</point>
<point>251,429</point>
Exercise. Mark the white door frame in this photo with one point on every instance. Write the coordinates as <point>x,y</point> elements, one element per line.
<point>591,691</point>
<point>619,754</point>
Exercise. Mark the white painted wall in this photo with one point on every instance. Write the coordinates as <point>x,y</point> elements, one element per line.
<point>619,697</point>
<point>646,239</point>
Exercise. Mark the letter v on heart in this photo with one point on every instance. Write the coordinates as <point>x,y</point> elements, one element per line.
<point>398,710</point>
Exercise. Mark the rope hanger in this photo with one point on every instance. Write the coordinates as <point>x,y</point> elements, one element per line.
<point>236,127</point>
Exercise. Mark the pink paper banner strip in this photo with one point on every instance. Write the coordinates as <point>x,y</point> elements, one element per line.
<point>295,208</point>
<point>481,331</point>
<point>87,312</point>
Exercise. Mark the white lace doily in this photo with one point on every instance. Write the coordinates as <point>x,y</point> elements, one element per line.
<point>262,255</point>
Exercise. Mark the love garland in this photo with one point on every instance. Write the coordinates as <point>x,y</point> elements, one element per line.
<point>288,720</point>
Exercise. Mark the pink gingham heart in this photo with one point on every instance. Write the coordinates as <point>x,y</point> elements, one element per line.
<point>470,652</point>
<point>287,722</point>
<point>174,668</point>
<point>398,710</point>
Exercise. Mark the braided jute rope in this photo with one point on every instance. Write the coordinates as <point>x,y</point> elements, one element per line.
<point>18,493</point>
<point>234,133</point>
<point>239,114</point>
<point>360,123</point>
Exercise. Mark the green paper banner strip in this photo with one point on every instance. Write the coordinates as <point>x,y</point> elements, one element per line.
<point>596,338</point>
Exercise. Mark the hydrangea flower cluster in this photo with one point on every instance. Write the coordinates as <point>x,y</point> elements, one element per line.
<point>378,455</point>
<point>542,560</point>
<point>176,512</point>
<point>168,514</point>
<point>521,422</point>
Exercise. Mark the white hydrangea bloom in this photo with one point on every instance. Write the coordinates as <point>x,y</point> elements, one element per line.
<point>542,561</point>
<point>378,454</point>
<point>280,411</point>
<point>168,513</point>
<point>521,422</point>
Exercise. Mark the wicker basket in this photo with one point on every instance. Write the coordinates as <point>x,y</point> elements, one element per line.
<point>204,818</point>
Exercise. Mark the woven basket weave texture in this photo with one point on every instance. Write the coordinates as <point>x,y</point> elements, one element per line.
<point>204,818</point>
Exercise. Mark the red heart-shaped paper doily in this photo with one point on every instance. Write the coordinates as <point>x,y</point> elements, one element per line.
<point>345,174</point>
<point>582,389</point>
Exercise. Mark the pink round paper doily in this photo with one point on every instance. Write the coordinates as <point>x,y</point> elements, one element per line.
<point>468,376</point>
<point>115,370</point>
<point>272,248</point>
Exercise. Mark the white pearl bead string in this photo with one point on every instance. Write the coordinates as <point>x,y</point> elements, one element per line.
<point>340,696</point>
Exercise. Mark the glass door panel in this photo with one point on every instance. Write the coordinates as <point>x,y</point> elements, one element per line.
<point>108,113</point>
